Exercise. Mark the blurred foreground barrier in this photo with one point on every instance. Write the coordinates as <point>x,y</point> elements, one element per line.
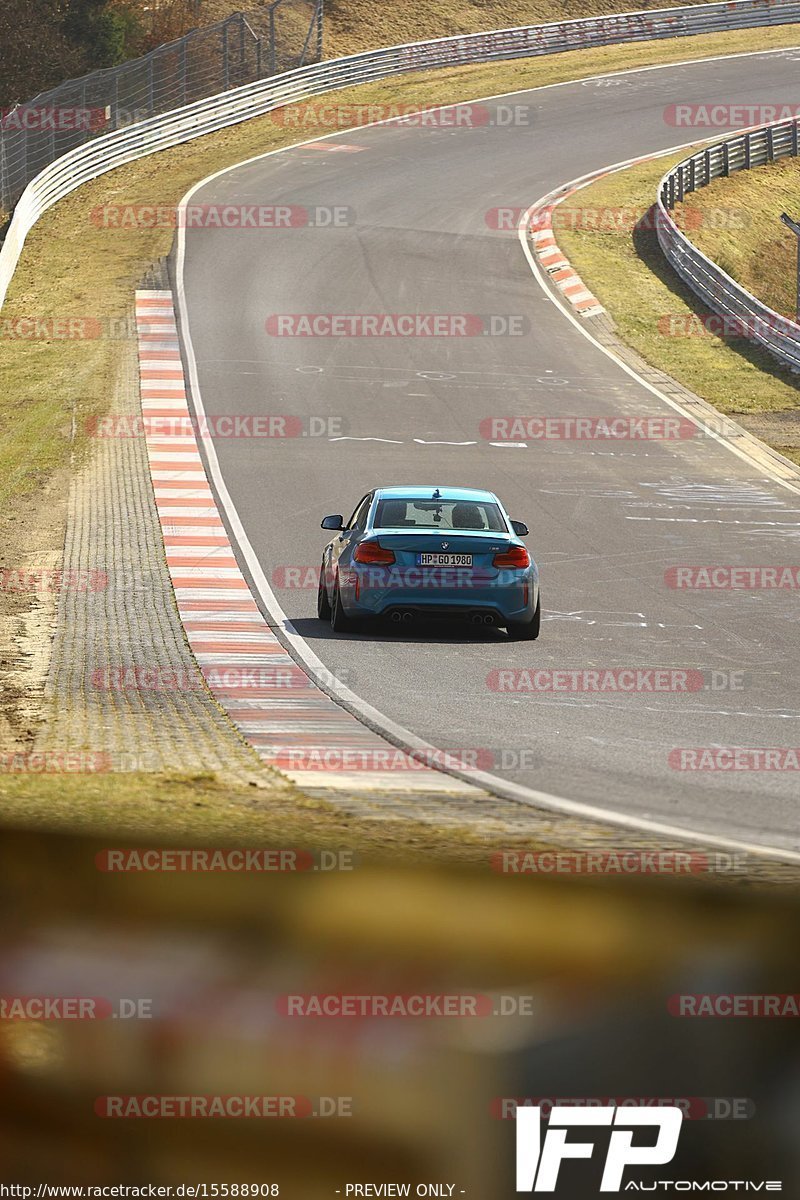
<point>307,1029</point>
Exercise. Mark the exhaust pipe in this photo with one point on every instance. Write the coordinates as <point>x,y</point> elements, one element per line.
<point>397,617</point>
<point>407,616</point>
<point>488,619</point>
<point>477,619</point>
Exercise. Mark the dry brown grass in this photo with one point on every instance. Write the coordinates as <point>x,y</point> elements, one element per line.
<point>739,227</point>
<point>354,25</point>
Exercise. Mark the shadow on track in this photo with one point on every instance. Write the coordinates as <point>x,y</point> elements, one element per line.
<point>420,633</point>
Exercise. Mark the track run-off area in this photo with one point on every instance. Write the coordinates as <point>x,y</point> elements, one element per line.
<point>610,520</point>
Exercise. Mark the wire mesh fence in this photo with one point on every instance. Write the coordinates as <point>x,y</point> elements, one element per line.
<point>241,49</point>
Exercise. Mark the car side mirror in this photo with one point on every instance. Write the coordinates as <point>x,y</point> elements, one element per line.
<point>520,528</point>
<point>334,522</point>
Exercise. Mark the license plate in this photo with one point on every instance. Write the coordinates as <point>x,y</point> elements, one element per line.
<point>444,560</point>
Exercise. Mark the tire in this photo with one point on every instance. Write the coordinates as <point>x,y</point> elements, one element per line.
<point>340,622</point>
<point>323,603</point>
<point>526,631</point>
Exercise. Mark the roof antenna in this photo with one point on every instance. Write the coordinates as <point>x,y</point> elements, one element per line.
<point>437,495</point>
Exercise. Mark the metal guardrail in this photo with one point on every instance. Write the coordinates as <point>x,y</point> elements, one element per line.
<point>744,314</point>
<point>241,49</point>
<point>217,112</point>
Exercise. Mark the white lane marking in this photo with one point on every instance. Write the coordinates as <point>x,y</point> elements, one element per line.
<point>314,665</point>
<point>392,441</point>
<point>424,442</point>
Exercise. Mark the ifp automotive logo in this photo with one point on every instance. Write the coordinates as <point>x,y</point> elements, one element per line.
<point>539,1160</point>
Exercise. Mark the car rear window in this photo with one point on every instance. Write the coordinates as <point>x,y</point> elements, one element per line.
<point>401,513</point>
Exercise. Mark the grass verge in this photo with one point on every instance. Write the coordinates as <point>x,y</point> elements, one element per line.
<point>657,315</point>
<point>737,223</point>
<point>202,809</point>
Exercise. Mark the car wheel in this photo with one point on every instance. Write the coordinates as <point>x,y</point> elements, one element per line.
<point>323,603</point>
<point>340,622</point>
<point>526,631</point>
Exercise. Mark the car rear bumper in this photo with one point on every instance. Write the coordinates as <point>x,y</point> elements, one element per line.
<point>503,600</point>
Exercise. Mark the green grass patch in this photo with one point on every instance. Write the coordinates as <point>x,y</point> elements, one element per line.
<point>736,222</point>
<point>621,262</point>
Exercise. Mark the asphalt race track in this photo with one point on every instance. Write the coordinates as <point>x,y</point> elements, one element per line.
<point>607,520</point>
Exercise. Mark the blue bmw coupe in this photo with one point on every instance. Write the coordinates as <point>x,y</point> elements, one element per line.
<point>410,552</point>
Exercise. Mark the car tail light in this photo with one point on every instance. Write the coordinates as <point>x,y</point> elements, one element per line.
<point>514,556</point>
<point>373,552</point>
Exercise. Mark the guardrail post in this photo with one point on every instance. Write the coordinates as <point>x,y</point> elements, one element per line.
<point>692,174</point>
<point>320,27</point>
<point>272,8</point>
<point>747,152</point>
<point>726,159</point>
<point>5,183</point>
<point>771,144</point>
<point>794,139</point>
